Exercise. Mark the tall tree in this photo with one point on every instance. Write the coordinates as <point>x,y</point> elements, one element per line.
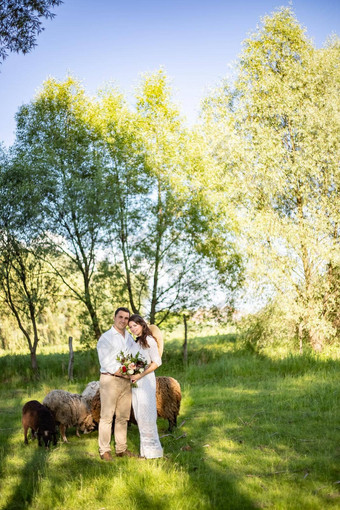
<point>168,246</point>
<point>127,185</point>
<point>20,23</point>
<point>274,134</point>
<point>154,223</point>
<point>57,142</point>
<point>27,288</point>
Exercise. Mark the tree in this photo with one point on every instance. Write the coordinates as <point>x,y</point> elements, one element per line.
<point>26,286</point>
<point>57,143</point>
<point>127,185</point>
<point>20,23</point>
<point>154,225</point>
<point>274,135</point>
<point>174,264</point>
<point>109,202</point>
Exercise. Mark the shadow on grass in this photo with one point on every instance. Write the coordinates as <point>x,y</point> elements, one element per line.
<point>30,477</point>
<point>277,418</point>
<point>73,463</point>
<point>217,485</point>
<point>10,424</point>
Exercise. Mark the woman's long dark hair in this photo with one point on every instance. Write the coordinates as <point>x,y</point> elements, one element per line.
<point>145,331</point>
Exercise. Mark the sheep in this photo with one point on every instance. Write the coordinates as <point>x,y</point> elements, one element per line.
<point>89,392</point>
<point>168,399</point>
<point>69,410</point>
<point>40,420</point>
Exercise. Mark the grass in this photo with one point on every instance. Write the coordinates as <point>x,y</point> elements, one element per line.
<point>255,432</point>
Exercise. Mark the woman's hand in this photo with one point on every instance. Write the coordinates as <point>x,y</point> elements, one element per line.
<point>135,378</point>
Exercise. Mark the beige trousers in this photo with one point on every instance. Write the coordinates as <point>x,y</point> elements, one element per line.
<point>115,398</point>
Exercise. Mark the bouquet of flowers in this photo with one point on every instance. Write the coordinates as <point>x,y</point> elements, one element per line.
<point>131,365</point>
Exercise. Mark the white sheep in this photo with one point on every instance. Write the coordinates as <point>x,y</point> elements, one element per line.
<point>89,392</point>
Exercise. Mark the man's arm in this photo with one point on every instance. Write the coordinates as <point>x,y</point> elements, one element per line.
<point>107,354</point>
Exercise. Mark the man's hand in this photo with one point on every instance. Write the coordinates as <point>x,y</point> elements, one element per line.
<point>119,374</point>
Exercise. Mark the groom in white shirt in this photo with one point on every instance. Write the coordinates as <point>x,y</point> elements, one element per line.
<point>115,389</point>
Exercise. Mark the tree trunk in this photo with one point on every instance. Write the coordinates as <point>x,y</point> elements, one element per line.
<point>300,335</point>
<point>154,288</point>
<point>3,340</point>
<point>71,359</point>
<point>32,347</point>
<point>185,344</point>
<point>91,310</point>
<point>157,257</point>
<point>34,363</point>
<point>315,339</point>
<point>128,276</point>
<point>124,248</point>
<point>94,319</point>
<point>314,336</point>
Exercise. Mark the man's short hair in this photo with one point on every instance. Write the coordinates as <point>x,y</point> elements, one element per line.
<point>122,309</point>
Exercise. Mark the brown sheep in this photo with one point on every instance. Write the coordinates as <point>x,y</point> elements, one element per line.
<point>39,419</point>
<point>95,407</point>
<point>69,410</point>
<point>168,399</point>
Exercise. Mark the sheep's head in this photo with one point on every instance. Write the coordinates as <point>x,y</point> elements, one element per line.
<point>87,425</point>
<point>48,436</point>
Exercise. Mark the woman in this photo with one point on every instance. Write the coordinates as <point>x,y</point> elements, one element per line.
<point>144,396</point>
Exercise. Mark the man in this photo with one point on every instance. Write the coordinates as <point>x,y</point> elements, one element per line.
<point>115,389</point>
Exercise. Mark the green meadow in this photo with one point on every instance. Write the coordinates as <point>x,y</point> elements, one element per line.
<point>253,432</point>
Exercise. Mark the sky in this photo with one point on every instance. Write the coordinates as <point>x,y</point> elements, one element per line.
<point>103,41</point>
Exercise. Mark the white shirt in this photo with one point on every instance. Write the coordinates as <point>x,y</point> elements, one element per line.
<point>109,346</point>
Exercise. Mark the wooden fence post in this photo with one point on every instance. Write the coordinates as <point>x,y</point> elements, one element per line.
<point>185,344</point>
<point>71,359</point>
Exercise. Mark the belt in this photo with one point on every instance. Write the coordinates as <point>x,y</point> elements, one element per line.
<point>108,373</point>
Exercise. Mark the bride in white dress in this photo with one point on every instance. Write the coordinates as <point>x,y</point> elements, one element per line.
<point>144,396</point>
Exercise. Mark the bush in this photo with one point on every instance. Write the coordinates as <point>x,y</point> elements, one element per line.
<point>270,327</point>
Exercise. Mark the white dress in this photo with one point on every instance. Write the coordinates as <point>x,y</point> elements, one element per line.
<point>144,404</point>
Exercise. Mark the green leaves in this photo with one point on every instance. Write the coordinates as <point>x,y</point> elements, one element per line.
<point>276,142</point>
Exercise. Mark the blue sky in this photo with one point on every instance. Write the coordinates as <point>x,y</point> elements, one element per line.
<point>102,41</point>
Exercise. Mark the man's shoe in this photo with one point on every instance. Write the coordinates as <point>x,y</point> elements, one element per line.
<point>106,456</point>
<point>126,453</point>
